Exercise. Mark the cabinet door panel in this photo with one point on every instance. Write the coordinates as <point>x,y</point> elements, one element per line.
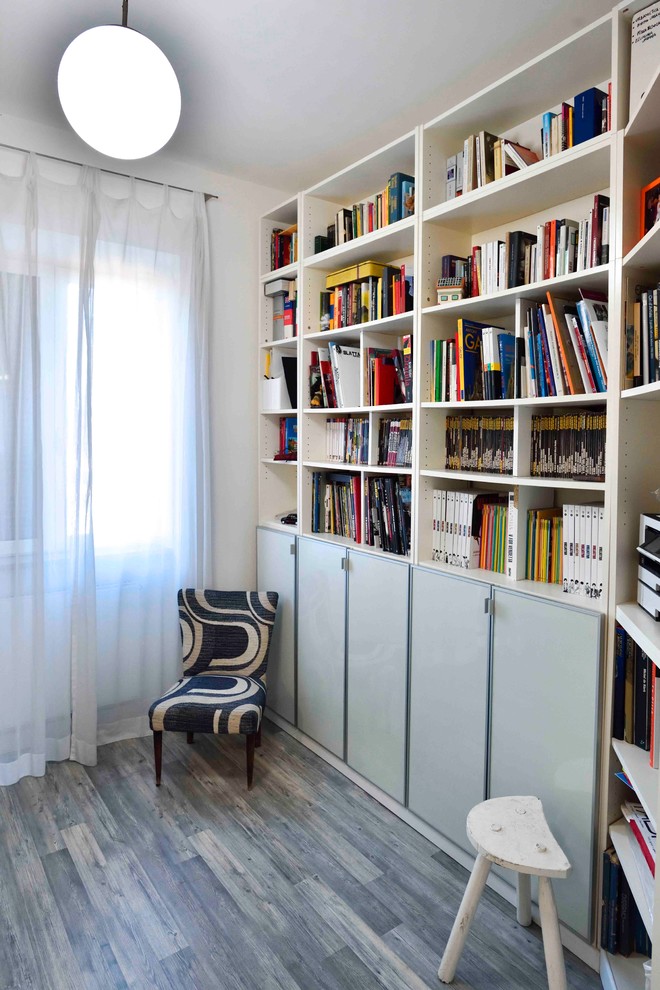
<point>377,670</point>
<point>276,571</point>
<point>321,643</point>
<point>546,661</point>
<point>448,700</point>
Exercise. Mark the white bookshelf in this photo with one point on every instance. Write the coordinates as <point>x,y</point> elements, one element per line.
<point>617,164</point>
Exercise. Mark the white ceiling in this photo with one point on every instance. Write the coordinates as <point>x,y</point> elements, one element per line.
<point>286,92</point>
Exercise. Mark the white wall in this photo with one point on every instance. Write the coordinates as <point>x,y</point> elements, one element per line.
<point>233,227</point>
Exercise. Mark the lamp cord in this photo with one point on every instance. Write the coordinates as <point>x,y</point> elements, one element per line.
<point>124,13</point>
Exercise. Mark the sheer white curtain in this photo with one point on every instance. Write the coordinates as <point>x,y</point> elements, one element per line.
<point>104,473</point>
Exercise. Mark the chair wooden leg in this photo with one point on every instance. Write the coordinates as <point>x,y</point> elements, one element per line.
<point>524,909</point>
<point>191,737</point>
<point>158,754</point>
<point>552,947</point>
<point>257,742</point>
<point>249,751</point>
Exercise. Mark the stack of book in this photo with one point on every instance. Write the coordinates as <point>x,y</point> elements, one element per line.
<point>336,505</point>
<point>544,546</point>
<point>365,292</point>
<point>347,439</point>
<point>480,443</point>
<point>395,202</point>
<point>569,445</point>
<point>636,708</point>
<point>559,247</point>
<point>387,513</point>
<point>622,929</point>
<point>334,377</point>
<point>583,550</point>
<point>388,374</point>
<point>395,443</point>
<point>470,529</point>
<point>643,339</point>
<point>283,247</point>
<point>571,125</point>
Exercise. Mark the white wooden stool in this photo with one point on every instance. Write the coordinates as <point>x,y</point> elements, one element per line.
<point>512,832</point>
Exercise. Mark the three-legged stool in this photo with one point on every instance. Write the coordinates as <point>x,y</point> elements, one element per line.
<point>512,832</point>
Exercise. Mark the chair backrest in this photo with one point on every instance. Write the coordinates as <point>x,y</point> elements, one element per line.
<point>226,632</point>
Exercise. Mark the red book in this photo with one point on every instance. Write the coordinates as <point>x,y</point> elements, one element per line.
<point>648,855</point>
<point>385,381</point>
<point>355,484</point>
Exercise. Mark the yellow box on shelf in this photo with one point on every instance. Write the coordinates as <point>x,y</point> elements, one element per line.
<point>363,269</point>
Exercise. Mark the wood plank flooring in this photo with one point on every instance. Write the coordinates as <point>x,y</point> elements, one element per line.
<point>304,883</point>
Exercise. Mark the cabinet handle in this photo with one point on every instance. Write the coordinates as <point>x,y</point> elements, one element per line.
<point>344,563</point>
<point>488,606</point>
<point>292,549</point>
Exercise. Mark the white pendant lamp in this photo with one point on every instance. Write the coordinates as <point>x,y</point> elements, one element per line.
<point>118,91</point>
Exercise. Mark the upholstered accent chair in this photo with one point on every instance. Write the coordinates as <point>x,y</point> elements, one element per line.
<point>225,638</point>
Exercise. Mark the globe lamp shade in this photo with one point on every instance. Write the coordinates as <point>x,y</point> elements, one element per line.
<point>119,92</point>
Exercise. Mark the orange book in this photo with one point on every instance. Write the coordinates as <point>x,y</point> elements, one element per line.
<point>566,350</point>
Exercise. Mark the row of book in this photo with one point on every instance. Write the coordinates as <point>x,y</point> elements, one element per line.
<point>590,116</point>
<point>388,374</point>
<point>334,377</point>
<point>563,546</point>
<point>562,350</point>
<point>636,706</point>
<point>479,443</point>
<point>559,247</point>
<point>376,512</point>
<point>395,443</point>
<point>347,439</point>
<point>570,444</point>
<point>643,340</point>
<point>485,157</point>
<point>622,929</point>
<point>365,292</point>
<point>395,202</point>
<point>283,247</point>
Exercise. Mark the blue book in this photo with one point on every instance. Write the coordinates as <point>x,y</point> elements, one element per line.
<point>506,343</point>
<point>592,351</point>
<point>588,115</point>
<point>552,388</point>
<point>543,385</point>
<point>546,131</point>
<point>532,359</point>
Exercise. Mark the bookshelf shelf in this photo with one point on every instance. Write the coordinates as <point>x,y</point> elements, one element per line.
<point>278,527</point>
<point>621,972</point>
<point>344,541</point>
<point>500,303</point>
<point>622,840</point>
<point>643,629</point>
<point>551,400</point>
<point>279,412</point>
<point>277,463</point>
<point>287,271</point>
<point>582,170</point>
<point>398,324</point>
<point>512,479</point>
<point>356,410</point>
<point>650,392</point>
<point>341,466</point>
<point>635,762</point>
<point>646,253</point>
<point>397,240</point>
<point>288,344</point>
<point>538,589</point>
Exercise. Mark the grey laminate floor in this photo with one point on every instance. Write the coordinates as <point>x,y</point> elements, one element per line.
<point>305,882</point>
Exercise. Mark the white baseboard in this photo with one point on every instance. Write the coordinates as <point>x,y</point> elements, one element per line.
<point>587,953</point>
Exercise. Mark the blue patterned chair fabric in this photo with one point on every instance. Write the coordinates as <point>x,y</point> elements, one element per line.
<point>225,638</point>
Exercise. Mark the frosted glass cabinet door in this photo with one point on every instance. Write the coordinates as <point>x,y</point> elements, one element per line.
<point>448,700</point>
<point>546,662</point>
<point>322,643</point>
<point>276,571</point>
<point>377,670</point>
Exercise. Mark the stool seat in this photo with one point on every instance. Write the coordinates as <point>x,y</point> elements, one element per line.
<point>512,832</point>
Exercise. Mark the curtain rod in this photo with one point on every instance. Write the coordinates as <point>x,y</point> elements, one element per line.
<point>109,171</point>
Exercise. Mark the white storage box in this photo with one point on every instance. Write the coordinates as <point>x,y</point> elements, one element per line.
<point>274,393</point>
